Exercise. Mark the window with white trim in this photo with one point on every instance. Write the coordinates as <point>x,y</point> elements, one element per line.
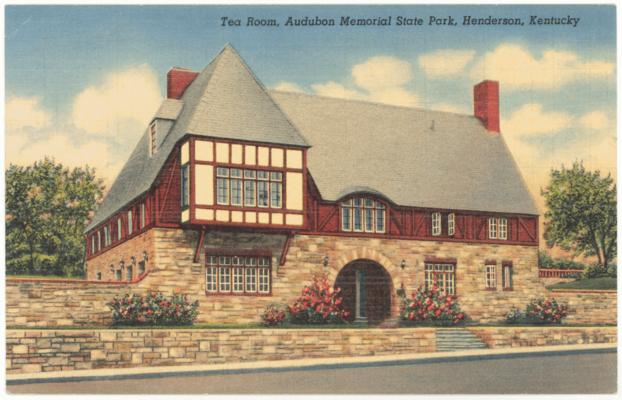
<point>491,276</point>
<point>129,273</point>
<point>497,228</point>
<point>106,236</point>
<point>119,229</point>
<point>249,188</point>
<point>142,215</point>
<point>443,275</point>
<point>436,224</point>
<point>93,244</point>
<point>99,240</point>
<point>492,228</point>
<point>451,224</point>
<point>130,222</point>
<point>238,274</point>
<point>506,277</point>
<point>363,214</point>
<point>185,185</point>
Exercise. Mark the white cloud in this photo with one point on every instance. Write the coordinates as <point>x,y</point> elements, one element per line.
<point>334,89</point>
<point>446,62</point>
<point>381,73</point>
<point>595,120</point>
<point>516,68</point>
<point>124,101</point>
<point>288,87</point>
<point>531,119</point>
<point>95,153</point>
<point>26,112</point>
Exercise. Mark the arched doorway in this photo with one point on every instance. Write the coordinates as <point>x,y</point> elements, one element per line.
<point>366,288</point>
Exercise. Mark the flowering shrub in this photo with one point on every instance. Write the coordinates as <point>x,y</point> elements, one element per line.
<point>547,311</point>
<point>273,316</point>
<point>515,316</point>
<point>153,309</point>
<point>318,303</point>
<point>431,306</point>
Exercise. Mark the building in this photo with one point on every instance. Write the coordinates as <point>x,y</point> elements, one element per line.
<point>238,196</point>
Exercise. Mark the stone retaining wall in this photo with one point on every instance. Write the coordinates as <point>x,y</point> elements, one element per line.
<point>30,351</point>
<point>589,307</point>
<point>499,337</point>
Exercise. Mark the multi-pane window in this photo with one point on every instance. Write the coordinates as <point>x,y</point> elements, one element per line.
<point>506,277</point>
<point>130,223</point>
<point>107,236</point>
<point>498,228</point>
<point>441,275</point>
<point>363,215</point>
<point>118,275</point>
<point>436,224</point>
<point>142,215</point>
<point>185,186</point>
<point>492,228</point>
<point>152,138</point>
<point>129,272</point>
<point>451,224</point>
<point>491,276</point>
<point>237,187</point>
<point>238,274</point>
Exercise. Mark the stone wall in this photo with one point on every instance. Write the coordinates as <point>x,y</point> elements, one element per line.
<point>589,307</point>
<point>48,350</point>
<point>497,337</point>
<point>171,269</point>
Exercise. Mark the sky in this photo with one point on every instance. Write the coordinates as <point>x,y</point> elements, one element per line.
<point>83,82</point>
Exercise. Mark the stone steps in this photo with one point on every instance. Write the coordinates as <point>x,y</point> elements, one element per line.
<point>456,339</point>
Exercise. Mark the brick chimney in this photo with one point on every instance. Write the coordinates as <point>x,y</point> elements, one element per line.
<point>486,104</point>
<point>177,80</point>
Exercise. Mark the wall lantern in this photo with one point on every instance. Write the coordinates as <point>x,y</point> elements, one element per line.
<point>325,261</point>
<point>403,264</point>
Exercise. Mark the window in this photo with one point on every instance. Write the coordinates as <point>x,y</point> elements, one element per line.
<point>238,274</point>
<point>185,186</point>
<point>130,223</point>
<point>99,240</point>
<point>119,229</point>
<point>506,277</point>
<point>249,188</point>
<point>491,276</point>
<point>99,276</point>
<point>436,224</point>
<point>441,275</point>
<point>118,275</point>
<point>363,215</point>
<point>492,228</point>
<point>141,267</point>
<point>152,138</point>
<point>498,228</point>
<point>451,224</point>
<point>142,215</point>
<point>106,236</point>
<point>503,228</point>
<point>129,273</point>
<point>93,244</point>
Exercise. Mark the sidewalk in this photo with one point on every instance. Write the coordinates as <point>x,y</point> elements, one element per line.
<point>315,363</point>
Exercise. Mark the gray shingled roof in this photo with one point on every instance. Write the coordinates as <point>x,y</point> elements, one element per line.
<point>224,101</point>
<point>414,157</point>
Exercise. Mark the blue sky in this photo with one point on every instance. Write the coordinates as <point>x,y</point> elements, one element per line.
<point>63,60</point>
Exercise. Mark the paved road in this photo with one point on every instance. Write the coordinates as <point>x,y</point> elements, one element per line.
<point>552,373</point>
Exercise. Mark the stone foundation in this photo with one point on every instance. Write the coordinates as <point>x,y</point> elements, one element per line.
<point>47,350</point>
<point>499,337</point>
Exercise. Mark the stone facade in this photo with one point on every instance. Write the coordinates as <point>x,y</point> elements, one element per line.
<point>498,337</point>
<point>47,350</point>
<point>171,269</point>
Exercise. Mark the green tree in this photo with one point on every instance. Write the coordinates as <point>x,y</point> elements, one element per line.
<point>47,209</point>
<point>581,214</point>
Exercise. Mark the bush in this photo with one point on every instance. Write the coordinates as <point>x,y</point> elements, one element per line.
<point>273,316</point>
<point>545,261</point>
<point>515,316</point>
<point>431,306</point>
<point>153,309</point>
<point>594,271</point>
<point>547,311</point>
<point>318,303</point>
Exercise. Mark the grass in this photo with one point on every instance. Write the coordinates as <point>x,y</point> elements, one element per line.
<point>602,283</point>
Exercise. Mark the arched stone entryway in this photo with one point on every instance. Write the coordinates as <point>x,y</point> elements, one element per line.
<point>367,291</point>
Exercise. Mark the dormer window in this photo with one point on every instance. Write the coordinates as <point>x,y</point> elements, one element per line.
<point>451,224</point>
<point>152,138</point>
<point>498,228</point>
<point>360,214</point>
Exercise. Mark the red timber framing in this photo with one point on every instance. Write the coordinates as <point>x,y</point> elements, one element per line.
<point>288,242</point>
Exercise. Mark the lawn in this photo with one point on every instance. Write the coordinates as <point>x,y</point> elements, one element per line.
<point>603,283</point>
